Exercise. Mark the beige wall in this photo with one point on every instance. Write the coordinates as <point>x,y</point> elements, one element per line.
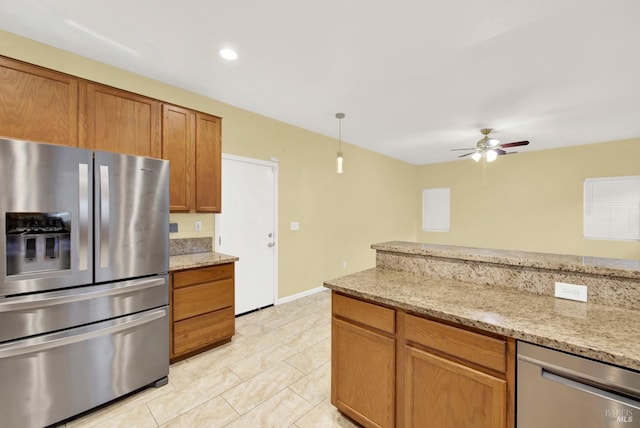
<point>340,215</point>
<point>531,201</point>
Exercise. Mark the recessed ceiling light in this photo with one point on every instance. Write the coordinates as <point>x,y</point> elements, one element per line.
<point>229,54</point>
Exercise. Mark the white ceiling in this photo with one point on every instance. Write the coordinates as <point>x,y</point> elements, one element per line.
<point>415,78</point>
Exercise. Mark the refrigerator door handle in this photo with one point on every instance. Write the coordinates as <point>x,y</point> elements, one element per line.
<point>104,216</point>
<point>63,297</point>
<point>37,344</point>
<point>83,216</point>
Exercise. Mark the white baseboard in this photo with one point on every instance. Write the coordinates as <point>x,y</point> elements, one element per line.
<point>300,295</point>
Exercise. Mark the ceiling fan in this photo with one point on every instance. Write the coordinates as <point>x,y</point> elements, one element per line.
<point>489,148</point>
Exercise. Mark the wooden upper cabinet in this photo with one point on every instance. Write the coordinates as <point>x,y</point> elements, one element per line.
<point>191,142</point>
<point>208,163</point>
<point>119,121</point>
<point>178,146</point>
<point>37,104</point>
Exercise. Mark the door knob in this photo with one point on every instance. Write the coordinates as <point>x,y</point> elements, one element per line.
<point>271,244</point>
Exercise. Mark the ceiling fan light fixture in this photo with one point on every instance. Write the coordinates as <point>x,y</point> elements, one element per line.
<point>491,155</point>
<point>476,156</point>
<point>492,142</point>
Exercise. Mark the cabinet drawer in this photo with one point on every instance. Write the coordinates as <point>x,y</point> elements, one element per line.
<point>476,348</point>
<point>368,314</point>
<point>200,275</point>
<point>203,330</point>
<point>202,298</point>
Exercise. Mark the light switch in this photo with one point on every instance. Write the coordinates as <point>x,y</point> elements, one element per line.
<point>294,225</point>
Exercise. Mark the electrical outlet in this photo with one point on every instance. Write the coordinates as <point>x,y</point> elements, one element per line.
<point>571,291</point>
<point>198,226</point>
<point>294,225</point>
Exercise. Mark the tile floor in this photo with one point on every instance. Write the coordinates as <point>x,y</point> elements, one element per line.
<point>274,373</point>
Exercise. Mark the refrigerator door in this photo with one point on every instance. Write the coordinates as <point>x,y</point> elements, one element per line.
<point>46,237</point>
<point>38,313</point>
<point>131,216</point>
<point>52,377</point>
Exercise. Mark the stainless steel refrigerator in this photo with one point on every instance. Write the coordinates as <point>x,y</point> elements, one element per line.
<point>83,279</point>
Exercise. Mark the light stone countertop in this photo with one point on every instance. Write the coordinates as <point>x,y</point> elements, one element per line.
<point>560,262</point>
<point>196,260</point>
<point>604,333</point>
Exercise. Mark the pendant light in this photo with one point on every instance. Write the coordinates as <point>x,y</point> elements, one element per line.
<point>339,159</point>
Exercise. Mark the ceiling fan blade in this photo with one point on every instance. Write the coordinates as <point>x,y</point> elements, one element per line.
<point>474,148</point>
<point>466,154</point>
<point>516,144</point>
<point>500,151</point>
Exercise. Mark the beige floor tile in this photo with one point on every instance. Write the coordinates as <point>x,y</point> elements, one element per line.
<point>186,372</point>
<point>313,357</point>
<point>211,414</point>
<point>139,417</point>
<point>315,386</point>
<point>308,337</point>
<point>260,388</point>
<point>253,345</point>
<point>324,415</point>
<point>119,406</point>
<point>254,364</point>
<point>181,400</point>
<point>214,359</point>
<point>281,410</point>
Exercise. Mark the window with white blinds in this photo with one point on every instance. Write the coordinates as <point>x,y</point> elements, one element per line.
<point>612,208</point>
<point>436,209</point>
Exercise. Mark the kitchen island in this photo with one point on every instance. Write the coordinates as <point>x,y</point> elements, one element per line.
<point>502,296</point>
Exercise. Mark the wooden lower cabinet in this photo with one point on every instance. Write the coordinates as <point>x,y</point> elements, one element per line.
<point>410,371</point>
<point>202,309</point>
<point>363,361</point>
<point>363,387</point>
<point>441,393</point>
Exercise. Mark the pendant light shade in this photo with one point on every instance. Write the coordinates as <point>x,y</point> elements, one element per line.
<point>340,158</point>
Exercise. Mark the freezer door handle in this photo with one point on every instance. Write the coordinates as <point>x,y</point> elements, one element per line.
<point>589,389</point>
<point>62,297</point>
<point>56,340</point>
<point>83,216</point>
<point>104,216</point>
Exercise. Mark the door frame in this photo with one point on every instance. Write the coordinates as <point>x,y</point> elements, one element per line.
<point>274,165</point>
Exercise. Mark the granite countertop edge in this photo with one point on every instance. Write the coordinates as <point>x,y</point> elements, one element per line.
<point>563,262</point>
<point>574,327</point>
<point>196,260</point>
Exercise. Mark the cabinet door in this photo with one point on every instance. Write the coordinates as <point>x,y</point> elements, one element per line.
<point>118,121</point>
<point>444,394</point>
<point>37,104</point>
<point>363,374</point>
<point>208,163</point>
<point>178,134</point>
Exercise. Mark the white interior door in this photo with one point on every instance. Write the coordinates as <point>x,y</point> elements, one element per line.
<point>247,228</point>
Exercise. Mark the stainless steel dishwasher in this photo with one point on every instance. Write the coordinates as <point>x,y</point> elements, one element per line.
<point>555,389</point>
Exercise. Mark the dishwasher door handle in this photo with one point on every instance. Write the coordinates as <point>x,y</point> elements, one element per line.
<point>590,389</point>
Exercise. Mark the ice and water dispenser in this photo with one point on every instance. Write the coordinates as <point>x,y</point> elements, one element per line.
<point>38,242</point>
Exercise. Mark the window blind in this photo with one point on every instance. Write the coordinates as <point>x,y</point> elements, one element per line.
<point>612,208</point>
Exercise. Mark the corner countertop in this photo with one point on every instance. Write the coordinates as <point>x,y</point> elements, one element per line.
<point>560,262</point>
<point>603,333</point>
<point>196,260</point>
